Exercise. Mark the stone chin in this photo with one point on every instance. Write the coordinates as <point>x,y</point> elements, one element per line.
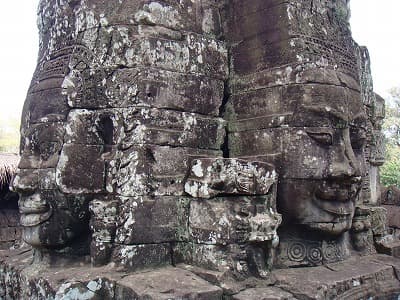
<point>47,235</point>
<point>45,226</point>
<point>31,236</point>
<point>332,228</point>
<point>318,206</point>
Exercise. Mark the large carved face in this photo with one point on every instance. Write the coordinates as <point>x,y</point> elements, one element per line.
<point>322,159</point>
<point>315,135</point>
<point>52,214</point>
<point>50,218</point>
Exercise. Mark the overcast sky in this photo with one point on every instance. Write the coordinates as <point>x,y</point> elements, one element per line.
<point>374,24</point>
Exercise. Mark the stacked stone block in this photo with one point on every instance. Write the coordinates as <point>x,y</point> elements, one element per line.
<point>232,219</point>
<point>144,86</point>
<point>276,46</point>
<point>375,108</point>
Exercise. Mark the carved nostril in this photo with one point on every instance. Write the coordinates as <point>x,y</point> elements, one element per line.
<point>25,181</point>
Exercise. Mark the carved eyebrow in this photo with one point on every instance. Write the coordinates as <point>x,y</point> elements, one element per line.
<point>360,117</point>
<point>324,110</point>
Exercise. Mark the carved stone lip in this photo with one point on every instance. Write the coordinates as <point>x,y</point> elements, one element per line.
<point>339,208</point>
<point>31,220</point>
<point>34,210</point>
<point>33,205</point>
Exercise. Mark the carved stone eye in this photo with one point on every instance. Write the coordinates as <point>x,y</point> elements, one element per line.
<point>322,138</point>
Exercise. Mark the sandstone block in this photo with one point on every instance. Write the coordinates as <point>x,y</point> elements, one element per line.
<point>42,144</point>
<point>81,169</point>
<point>191,54</point>
<point>233,220</point>
<point>151,169</point>
<point>149,87</point>
<point>199,16</point>
<point>167,283</point>
<point>209,177</point>
<point>137,257</point>
<point>143,220</point>
<point>167,127</point>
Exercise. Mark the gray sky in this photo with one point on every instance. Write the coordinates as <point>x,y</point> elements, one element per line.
<point>18,53</point>
<point>374,24</point>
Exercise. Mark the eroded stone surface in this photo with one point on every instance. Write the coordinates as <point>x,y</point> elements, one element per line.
<point>354,279</point>
<point>210,177</point>
<point>370,276</point>
<point>235,136</point>
<point>271,293</point>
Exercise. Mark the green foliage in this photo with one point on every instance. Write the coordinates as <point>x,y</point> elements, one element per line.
<point>390,171</point>
<point>9,134</point>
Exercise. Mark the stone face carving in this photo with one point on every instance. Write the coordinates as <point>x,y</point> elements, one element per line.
<point>226,138</point>
<point>299,105</point>
<point>50,217</point>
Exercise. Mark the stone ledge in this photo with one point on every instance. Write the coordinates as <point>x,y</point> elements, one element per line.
<point>356,278</point>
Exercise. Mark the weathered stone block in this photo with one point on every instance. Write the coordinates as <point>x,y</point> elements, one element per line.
<point>101,127</point>
<point>186,92</point>
<point>10,234</point>
<point>209,177</point>
<point>258,16</point>
<point>288,40</point>
<point>213,257</point>
<point>167,283</point>
<point>9,218</point>
<point>270,293</point>
<point>393,212</point>
<point>249,109</point>
<point>227,220</point>
<point>103,224</point>
<point>234,260</point>
<point>137,257</point>
<point>20,281</point>
<point>151,169</point>
<point>356,278</point>
<point>192,54</point>
<point>146,87</point>
<point>42,145</point>
<point>43,110</point>
<point>145,220</point>
<point>82,174</point>
<point>167,127</point>
<point>194,16</point>
<point>379,220</point>
<point>295,74</point>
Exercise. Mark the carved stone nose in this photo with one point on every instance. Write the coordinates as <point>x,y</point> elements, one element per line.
<point>25,181</point>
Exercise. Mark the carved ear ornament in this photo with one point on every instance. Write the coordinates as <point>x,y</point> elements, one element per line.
<point>322,137</point>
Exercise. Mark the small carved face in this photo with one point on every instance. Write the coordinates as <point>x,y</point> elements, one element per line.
<point>322,161</point>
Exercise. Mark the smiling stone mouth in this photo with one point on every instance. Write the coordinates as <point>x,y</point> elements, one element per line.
<point>337,200</point>
<point>34,219</point>
<point>34,212</point>
<point>339,207</point>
